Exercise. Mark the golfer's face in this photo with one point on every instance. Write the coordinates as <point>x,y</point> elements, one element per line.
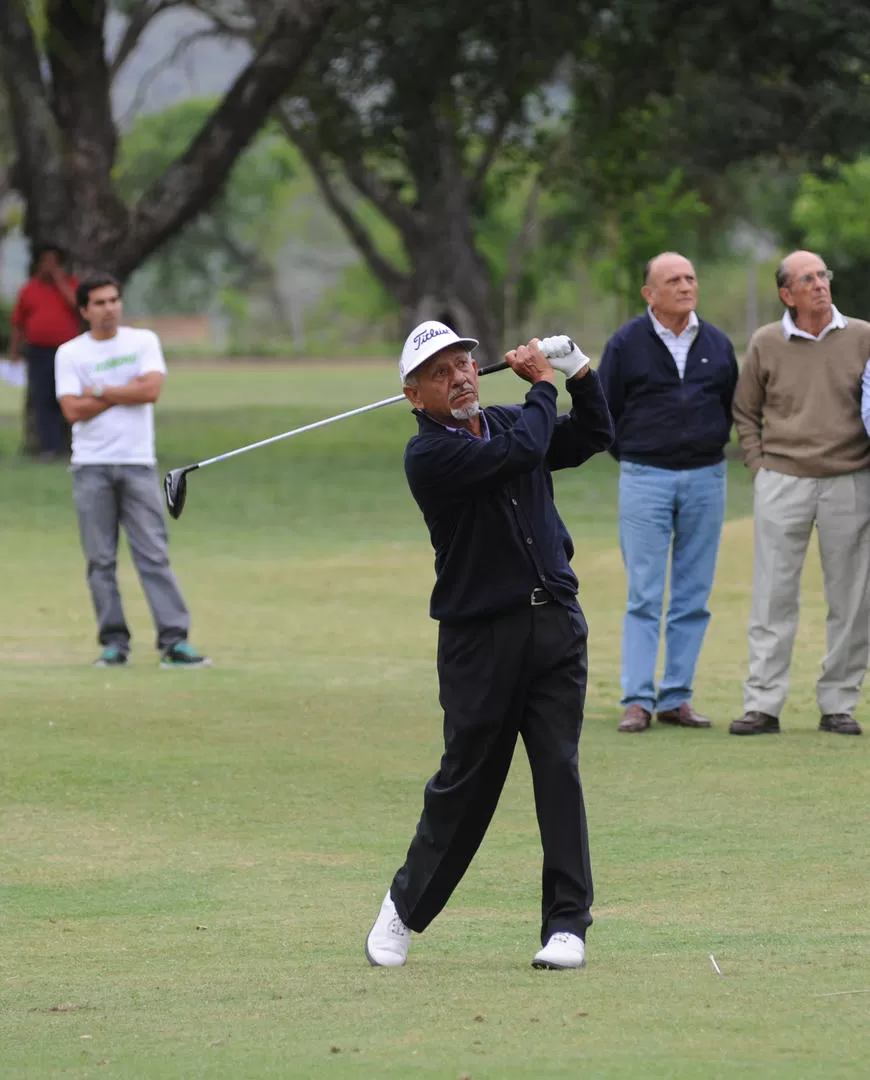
<point>446,382</point>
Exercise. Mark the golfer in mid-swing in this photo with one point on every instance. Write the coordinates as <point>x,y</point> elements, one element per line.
<point>512,637</point>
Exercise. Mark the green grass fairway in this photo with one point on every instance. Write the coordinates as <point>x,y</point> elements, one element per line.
<point>191,860</point>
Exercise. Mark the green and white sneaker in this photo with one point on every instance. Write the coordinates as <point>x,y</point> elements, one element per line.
<point>111,656</point>
<point>183,655</point>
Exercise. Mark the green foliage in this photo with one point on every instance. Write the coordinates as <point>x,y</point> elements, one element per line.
<point>659,217</point>
<point>5,328</point>
<point>740,92</point>
<point>37,15</point>
<point>233,245</point>
<point>727,83</point>
<point>390,78</point>
<point>267,245</point>
<point>831,212</point>
<point>416,101</point>
<point>356,310</point>
<point>508,235</point>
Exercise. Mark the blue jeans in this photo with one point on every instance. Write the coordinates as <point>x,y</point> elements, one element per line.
<point>658,507</point>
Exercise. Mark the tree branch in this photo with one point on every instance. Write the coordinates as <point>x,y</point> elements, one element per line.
<point>143,15</point>
<point>491,148</point>
<point>244,31</point>
<point>394,281</point>
<point>81,102</point>
<point>514,261</point>
<point>376,190</point>
<point>7,189</point>
<point>38,174</point>
<point>365,180</point>
<point>153,73</point>
<point>248,264</point>
<point>192,182</point>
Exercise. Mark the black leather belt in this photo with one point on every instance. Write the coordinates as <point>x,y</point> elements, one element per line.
<point>540,596</point>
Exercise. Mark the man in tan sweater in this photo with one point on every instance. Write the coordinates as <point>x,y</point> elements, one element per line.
<point>797,410</point>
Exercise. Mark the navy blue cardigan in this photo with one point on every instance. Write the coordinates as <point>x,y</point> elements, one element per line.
<point>661,419</point>
<point>489,504</point>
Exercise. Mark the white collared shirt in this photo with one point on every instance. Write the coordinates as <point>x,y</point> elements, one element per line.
<point>838,322</point>
<point>678,344</point>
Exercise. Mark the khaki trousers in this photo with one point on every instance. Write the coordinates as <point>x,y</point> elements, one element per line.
<point>786,508</point>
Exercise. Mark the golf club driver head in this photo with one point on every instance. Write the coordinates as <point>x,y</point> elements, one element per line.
<point>175,489</point>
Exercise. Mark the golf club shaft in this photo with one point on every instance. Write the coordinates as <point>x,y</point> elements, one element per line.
<point>323,423</point>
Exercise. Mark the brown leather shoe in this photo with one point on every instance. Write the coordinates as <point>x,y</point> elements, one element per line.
<point>684,716</point>
<point>755,723</point>
<point>635,718</point>
<point>840,724</point>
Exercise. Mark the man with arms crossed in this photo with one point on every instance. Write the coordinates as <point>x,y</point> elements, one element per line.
<point>669,379</point>
<point>107,382</point>
<point>512,637</point>
<point>798,414</point>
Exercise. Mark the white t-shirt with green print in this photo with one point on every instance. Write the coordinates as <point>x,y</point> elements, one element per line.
<point>124,434</point>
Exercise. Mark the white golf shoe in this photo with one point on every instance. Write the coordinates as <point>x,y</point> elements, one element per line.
<point>562,952</point>
<point>389,939</point>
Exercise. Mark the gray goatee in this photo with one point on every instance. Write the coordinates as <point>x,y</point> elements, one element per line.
<point>467,413</point>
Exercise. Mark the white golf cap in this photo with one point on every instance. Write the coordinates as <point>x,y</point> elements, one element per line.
<point>427,339</point>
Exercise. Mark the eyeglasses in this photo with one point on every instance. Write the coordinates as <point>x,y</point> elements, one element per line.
<point>819,275</point>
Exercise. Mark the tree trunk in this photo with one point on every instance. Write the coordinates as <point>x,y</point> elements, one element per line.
<point>450,280</point>
<point>451,283</point>
<point>59,93</point>
<point>522,243</point>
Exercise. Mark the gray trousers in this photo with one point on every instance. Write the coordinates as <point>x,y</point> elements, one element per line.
<point>109,496</point>
<point>786,508</point>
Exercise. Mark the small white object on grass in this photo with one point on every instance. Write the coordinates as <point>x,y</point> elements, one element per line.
<point>716,967</point>
<point>14,374</point>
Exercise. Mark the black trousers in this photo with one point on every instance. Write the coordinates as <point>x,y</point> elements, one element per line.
<point>50,423</point>
<point>520,674</point>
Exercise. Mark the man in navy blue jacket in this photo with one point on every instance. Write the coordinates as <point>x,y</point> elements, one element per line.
<point>669,379</point>
<point>512,637</point>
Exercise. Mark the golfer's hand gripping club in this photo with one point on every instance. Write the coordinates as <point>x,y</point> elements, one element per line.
<point>564,355</point>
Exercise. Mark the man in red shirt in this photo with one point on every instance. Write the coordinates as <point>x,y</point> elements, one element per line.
<point>44,317</point>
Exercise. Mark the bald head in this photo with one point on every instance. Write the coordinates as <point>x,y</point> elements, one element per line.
<point>804,284</point>
<point>670,288</point>
<point>663,263</point>
<point>793,264</point>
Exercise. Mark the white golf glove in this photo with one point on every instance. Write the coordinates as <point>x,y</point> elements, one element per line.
<point>564,355</point>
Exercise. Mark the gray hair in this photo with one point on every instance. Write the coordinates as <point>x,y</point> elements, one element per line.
<point>782,275</point>
<point>410,379</point>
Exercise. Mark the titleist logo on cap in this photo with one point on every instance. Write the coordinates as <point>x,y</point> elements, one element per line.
<point>426,339</point>
<point>427,335</point>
